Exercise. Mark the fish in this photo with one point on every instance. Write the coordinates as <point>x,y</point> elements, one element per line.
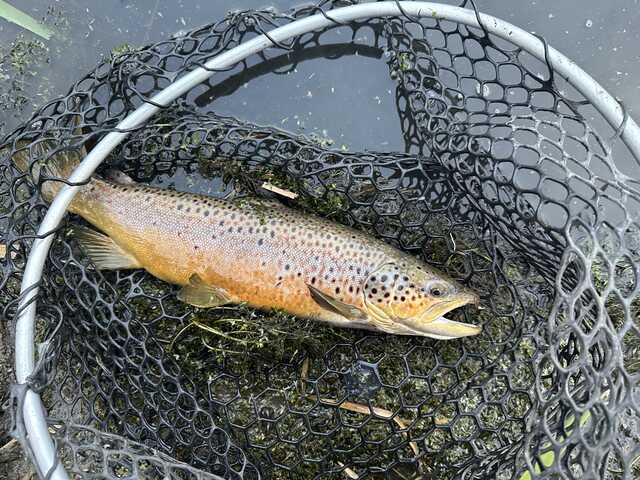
<point>258,252</point>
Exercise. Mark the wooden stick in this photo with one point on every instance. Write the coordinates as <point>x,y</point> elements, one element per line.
<point>279,191</point>
<point>366,410</point>
<point>348,472</point>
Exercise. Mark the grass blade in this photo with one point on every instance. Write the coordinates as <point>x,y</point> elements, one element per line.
<point>23,20</point>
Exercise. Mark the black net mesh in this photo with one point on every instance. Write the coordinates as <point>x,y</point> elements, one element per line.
<point>508,183</point>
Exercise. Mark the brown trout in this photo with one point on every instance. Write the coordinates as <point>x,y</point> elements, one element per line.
<point>261,253</point>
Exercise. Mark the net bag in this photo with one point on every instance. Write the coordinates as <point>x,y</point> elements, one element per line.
<point>511,181</point>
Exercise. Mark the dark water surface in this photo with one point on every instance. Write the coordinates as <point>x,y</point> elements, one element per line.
<point>349,100</point>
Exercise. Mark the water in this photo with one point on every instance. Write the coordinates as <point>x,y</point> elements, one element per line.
<point>602,37</point>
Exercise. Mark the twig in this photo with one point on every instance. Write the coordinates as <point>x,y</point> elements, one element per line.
<point>366,410</point>
<point>280,191</point>
<point>348,472</point>
<point>304,373</point>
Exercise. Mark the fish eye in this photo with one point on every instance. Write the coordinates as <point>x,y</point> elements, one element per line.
<point>437,291</point>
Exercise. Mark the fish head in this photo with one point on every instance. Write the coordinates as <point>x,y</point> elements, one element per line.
<point>412,298</point>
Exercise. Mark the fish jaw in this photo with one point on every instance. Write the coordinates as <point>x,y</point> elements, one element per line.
<point>433,324</point>
<point>444,329</point>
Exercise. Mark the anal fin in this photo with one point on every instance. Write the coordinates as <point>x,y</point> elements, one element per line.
<point>199,294</point>
<point>103,251</point>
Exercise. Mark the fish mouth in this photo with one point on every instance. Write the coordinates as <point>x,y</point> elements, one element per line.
<point>432,323</point>
<point>439,309</point>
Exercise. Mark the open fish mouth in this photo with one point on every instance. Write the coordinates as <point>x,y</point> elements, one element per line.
<point>442,328</point>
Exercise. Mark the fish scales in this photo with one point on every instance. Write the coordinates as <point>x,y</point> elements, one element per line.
<point>260,252</point>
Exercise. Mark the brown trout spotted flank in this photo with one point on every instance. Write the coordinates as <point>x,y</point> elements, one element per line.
<point>263,254</point>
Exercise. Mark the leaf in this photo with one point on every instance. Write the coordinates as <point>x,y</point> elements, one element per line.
<point>23,20</point>
<point>547,457</point>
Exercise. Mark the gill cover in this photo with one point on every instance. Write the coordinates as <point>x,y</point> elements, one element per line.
<point>410,299</point>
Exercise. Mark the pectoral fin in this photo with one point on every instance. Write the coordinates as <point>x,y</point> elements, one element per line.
<point>199,294</point>
<point>341,308</point>
<point>445,329</point>
<point>103,251</point>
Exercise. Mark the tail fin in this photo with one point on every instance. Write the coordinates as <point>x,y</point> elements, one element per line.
<point>58,166</point>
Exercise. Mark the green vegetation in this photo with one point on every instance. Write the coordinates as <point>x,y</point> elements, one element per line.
<point>19,62</point>
<point>243,331</point>
<point>329,203</point>
<point>121,50</point>
<point>24,79</point>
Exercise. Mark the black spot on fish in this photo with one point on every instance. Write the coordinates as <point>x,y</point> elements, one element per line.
<point>383,278</point>
<point>287,266</point>
<point>337,289</point>
<point>313,280</point>
<point>402,299</point>
<point>374,290</point>
<point>386,295</point>
<point>260,241</point>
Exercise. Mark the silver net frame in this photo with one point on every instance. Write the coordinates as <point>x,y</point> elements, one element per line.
<point>35,424</point>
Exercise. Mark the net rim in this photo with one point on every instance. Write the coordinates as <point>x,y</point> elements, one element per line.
<point>38,437</point>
